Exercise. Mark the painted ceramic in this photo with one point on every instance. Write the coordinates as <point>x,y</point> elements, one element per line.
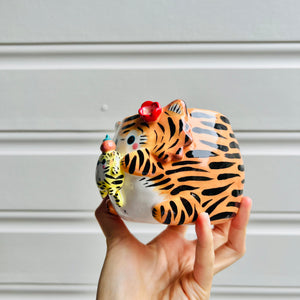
<point>169,164</point>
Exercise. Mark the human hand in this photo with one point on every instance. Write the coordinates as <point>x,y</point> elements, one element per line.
<point>168,267</point>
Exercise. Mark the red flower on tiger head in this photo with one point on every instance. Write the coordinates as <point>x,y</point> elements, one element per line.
<point>150,111</point>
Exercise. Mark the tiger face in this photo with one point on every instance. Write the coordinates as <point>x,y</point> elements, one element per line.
<point>164,137</point>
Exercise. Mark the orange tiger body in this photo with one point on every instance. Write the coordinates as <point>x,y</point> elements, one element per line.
<point>189,158</point>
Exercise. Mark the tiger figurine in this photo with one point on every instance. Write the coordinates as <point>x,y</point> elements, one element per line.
<point>109,176</point>
<point>177,163</point>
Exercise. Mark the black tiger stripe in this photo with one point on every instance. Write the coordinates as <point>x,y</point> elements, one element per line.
<point>206,202</point>
<point>139,128</point>
<point>162,210</point>
<point>220,126</point>
<point>161,154</point>
<point>160,147</point>
<point>196,197</point>
<point>232,155</point>
<point>185,162</point>
<point>224,119</point>
<point>237,193</point>
<point>215,191</point>
<point>221,136</point>
<point>168,218</point>
<point>126,160</point>
<point>179,150</point>
<point>160,176</point>
<point>172,127</point>
<point>117,181</point>
<point>145,124</point>
<point>184,169</point>
<point>132,165</point>
<point>131,118</point>
<point>147,167</point>
<point>180,125</point>
<point>128,126</point>
<point>234,204</point>
<point>198,114</point>
<point>223,215</point>
<point>195,214</point>
<point>120,176</point>
<point>156,136</point>
<point>220,165</point>
<point>241,168</point>
<point>174,144</point>
<point>109,176</point>
<point>234,145</point>
<point>182,218</point>
<point>125,131</point>
<point>187,138</point>
<point>200,154</point>
<point>188,207</point>
<point>147,151</point>
<point>154,212</point>
<point>160,182</point>
<point>211,208</point>
<point>174,208</point>
<point>166,156</point>
<point>232,135</point>
<point>161,127</point>
<point>153,168</point>
<point>225,176</point>
<point>182,188</point>
<point>141,157</point>
<point>193,178</point>
<point>168,187</point>
<point>160,165</point>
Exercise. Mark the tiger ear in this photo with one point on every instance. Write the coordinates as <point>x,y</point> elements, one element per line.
<point>177,107</point>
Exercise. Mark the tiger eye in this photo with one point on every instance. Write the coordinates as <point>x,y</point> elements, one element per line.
<point>130,140</point>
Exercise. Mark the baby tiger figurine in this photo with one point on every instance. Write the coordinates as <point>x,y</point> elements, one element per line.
<point>110,177</point>
<point>174,163</point>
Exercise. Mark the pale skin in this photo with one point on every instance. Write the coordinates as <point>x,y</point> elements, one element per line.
<point>170,266</point>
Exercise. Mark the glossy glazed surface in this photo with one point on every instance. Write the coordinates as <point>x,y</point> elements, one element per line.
<point>182,163</point>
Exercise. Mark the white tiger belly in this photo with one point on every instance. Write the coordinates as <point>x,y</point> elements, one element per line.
<point>138,199</point>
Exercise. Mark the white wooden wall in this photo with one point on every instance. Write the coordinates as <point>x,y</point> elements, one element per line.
<point>70,69</point>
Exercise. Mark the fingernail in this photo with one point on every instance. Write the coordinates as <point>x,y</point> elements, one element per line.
<point>206,216</point>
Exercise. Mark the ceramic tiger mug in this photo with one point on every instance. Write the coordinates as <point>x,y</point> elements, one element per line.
<point>169,164</point>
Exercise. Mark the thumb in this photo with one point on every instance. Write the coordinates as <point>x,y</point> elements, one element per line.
<point>112,225</point>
